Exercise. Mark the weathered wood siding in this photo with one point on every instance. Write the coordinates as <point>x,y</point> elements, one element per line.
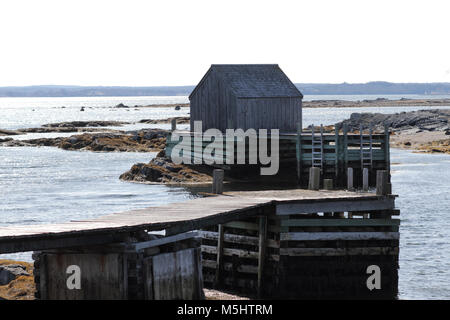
<point>101,277</point>
<point>269,113</point>
<point>213,104</point>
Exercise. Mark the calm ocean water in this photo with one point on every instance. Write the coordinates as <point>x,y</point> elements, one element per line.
<point>45,185</point>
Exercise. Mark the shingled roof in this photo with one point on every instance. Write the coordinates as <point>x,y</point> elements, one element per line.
<point>253,80</point>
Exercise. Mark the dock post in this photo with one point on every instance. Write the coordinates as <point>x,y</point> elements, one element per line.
<point>350,179</point>
<point>387,155</point>
<point>345,149</point>
<point>366,179</point>
<point>219,260</point>
<point>328,184</point>
<point>261,253</point>
<point>174,124</point>
<point>314,178</point>
<point>299,152</point>
<point>217,186</point>
<point>336,152</point>
<point>382,182</point>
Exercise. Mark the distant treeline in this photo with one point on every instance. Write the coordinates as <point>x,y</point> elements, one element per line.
<point>378,87</point>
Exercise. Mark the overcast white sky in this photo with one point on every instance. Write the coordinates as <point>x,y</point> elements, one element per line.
<point>146,43</point>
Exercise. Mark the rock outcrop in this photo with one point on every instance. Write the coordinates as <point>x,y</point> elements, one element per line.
<point>423,130</point>
<point>9,272</point>
<point>147,140</point>
<point>180,120</point>
<point>16,280</point>
<point>83,124</point>
<point>4,132</point>
<point>430,120</point>
<point>162,170</point>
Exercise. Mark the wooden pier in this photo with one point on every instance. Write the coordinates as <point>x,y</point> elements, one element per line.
<point>332,152</point>
<point>295,243</point>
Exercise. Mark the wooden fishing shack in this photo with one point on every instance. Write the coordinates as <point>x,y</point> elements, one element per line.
<point>257,96</point>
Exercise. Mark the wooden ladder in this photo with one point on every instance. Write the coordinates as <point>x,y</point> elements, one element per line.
<point>317,148</point>
<point>366,149</point>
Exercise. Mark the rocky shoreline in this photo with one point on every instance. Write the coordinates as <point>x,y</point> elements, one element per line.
<point>95,137</point>
<point>422,130</point>
<point>67,127</point>
<point>145,140</point>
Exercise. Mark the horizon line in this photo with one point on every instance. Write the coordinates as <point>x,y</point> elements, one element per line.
<point>193,85</point>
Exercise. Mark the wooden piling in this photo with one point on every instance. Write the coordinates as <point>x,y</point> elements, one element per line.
<point>345,146</point>
<point>328,184</point>
<point>314,178</point>
<point>299,152</point>
<point>219,260</point>
<point>382,182</point>
<point>217,186</point>
<point>261,253</point>
<point>174,124</point>
<point>366,179</point>
<point>350,179</point>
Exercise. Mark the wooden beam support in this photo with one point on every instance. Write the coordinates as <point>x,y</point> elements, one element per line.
<point>57,242</point>
<point>365,179</point>
<point>328,184</point>
<point>350,179</point>
<point>382,182</point>
<point>261,253</point>
<point>314,178</point>
<point>339,222</point>
<point>332,236</point>
<point>299,152</point>
<point>219,260</point>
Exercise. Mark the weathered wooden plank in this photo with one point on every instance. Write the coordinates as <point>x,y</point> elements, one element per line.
<point>164,240</point>
<point>147,270</point>
<point>261,252</point>
<point>164,276</point>
<point>242,225</point>
<point>228,266</point>
<point>235,283</point>
<point>339,222</point>
<point>334,206</point>
<point>295,252</point>
<point>326,236</point>
<point>235,238</point>
<point>238,252</point>
<point>176,275</point>
<point>220,247</point>
<point>106,269</point>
